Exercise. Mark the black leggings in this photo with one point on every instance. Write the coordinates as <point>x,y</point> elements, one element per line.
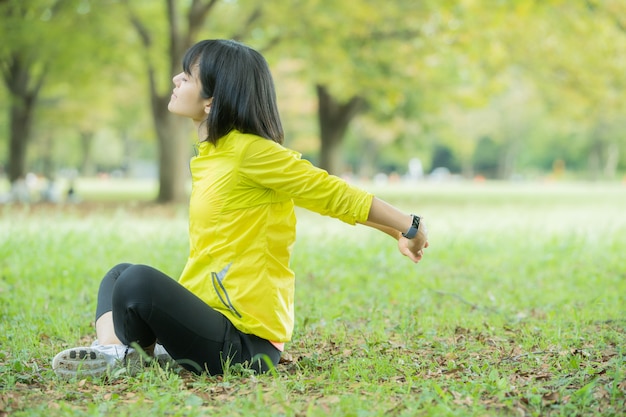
<point>148,305</point>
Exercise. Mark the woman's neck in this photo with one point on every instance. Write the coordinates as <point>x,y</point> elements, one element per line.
<point>200,132</point>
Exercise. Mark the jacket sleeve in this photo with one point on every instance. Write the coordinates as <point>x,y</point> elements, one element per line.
<point>269,165</point>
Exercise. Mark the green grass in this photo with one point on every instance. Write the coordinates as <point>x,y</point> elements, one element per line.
<point>518,309</point>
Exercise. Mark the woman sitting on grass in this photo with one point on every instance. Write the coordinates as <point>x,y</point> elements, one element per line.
<point>234,301</point>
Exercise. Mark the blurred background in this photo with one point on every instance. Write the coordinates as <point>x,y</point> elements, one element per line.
<point>388,91</point>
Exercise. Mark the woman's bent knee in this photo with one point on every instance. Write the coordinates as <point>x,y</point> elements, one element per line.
<point>133,284</point>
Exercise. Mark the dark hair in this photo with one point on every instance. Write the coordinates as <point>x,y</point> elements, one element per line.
<point>240,82</point>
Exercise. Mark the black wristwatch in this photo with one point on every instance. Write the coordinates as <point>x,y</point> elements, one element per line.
<point>410,234</point>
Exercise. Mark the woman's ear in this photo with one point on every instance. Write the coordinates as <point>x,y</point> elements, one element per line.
<point>207,105</point>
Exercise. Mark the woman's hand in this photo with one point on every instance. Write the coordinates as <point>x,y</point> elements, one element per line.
<point>414,248</point>
<point>388,219</point>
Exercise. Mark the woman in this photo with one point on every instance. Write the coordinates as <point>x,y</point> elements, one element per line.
<point>234,300</point>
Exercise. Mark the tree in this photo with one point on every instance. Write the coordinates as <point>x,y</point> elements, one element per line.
<point>334,118</point>
<point>24,69</point>
<point>45,43</point>
<point>573,54</point>
<point>417,76</point>
<point>517,65</point>
<point>184,27</point>
<point>359,56</point>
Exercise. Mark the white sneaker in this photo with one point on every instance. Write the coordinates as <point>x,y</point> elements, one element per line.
<point>118,352</point>
<point>122,351</point>
<point>97,360</point>
<point>83,362</point>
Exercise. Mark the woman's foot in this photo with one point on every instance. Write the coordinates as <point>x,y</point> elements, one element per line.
<point>99,360</point>
<point>83,362</point>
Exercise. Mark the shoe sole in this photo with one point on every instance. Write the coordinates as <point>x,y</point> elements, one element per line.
<point>80,362</point>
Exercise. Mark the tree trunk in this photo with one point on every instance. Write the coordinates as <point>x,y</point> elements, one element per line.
<point>467,168</point>
<point>594,162</point>
<point>23,89</point>
<point>87,167</point>
<point>47,160</point>
<point>128,152</point>
<point>172,133</point>
<point>508,159</point>
<point>22,108</point>
<point>16,71</point>
<point>598,150</point>
<point>331,156</point>
<point>612,160</point>
<point>334,118</point>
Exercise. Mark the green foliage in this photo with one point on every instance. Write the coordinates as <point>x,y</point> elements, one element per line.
<point>486,157</point>
<point>535,77</point>
<point>517,309</point>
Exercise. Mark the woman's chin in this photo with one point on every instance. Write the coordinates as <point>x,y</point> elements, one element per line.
<point>171,108</point>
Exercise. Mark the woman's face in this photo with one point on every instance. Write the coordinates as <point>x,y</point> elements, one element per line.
<point>186,99</point>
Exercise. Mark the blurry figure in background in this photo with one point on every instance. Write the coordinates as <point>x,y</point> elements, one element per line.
<point>19,191</point>
<point>440,174</point>
<point>72,197</point>
<point>416,169</point>
<point>50,192</point>
<point>234,302</point>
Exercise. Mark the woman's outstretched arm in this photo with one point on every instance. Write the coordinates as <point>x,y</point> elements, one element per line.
<point>392,221</point>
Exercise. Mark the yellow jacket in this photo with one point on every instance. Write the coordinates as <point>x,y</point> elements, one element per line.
<point>242,227</point>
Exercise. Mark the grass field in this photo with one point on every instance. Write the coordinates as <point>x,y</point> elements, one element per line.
<point>518,309</point>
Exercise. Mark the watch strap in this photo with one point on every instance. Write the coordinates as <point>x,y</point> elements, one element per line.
<point>410,234</point>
